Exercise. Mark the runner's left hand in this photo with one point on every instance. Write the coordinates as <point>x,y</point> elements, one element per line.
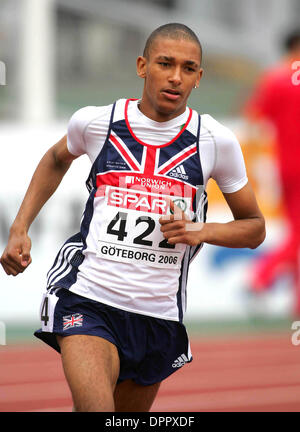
<point>178,227</point>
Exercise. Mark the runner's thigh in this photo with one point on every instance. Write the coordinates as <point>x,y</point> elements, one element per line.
<point>91,366</point>
<point>130,396</point>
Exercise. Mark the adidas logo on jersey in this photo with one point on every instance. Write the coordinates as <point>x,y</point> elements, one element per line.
<point>179,172</point>
<point>180,361</point>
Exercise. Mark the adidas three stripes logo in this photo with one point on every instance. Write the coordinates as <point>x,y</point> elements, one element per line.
<point>180,169</point>
<point>180,361</point>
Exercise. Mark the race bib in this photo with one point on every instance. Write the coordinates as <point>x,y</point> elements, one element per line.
<point>47,311</point>
<point>130,228</point>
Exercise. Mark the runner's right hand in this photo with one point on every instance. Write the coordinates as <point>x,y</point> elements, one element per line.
<point>16,256</point>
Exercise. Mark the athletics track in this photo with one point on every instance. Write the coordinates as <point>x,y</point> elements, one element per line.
<point>237,372</point>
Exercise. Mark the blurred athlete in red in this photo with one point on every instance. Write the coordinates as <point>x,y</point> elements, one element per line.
<point>277,99</point>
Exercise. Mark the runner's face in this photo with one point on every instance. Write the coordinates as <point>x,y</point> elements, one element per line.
<point>171,72</point>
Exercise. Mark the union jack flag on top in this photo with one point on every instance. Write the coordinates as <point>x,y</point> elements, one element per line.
<point>74,320</point>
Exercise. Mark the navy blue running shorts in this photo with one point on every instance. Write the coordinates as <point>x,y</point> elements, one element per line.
<point>150,349</point>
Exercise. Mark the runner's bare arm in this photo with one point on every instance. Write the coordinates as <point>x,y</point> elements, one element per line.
<point>45,180</point>
<point>246,230</point>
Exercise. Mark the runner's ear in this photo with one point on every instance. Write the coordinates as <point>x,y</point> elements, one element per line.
<point>141,66</point>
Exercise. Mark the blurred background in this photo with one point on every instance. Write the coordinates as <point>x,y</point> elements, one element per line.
<point>61,55</point>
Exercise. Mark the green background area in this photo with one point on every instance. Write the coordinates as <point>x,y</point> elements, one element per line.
<point>20,333</point>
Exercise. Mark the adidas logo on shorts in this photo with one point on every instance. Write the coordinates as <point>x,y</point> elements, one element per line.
<point>180,361</point>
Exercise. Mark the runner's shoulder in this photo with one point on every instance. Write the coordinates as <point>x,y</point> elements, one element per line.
<point>220,133</point>
<point>90,118</point>
<point>89,113</point>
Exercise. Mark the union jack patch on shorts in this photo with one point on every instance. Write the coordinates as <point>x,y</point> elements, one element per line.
<point>74,320</point>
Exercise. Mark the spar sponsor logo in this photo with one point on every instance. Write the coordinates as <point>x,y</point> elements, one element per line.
<point>137,200</point>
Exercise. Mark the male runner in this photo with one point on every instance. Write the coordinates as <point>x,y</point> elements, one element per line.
<point>116,292</point>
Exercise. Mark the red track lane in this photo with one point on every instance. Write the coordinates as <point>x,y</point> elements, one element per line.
<point>245,373</point>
